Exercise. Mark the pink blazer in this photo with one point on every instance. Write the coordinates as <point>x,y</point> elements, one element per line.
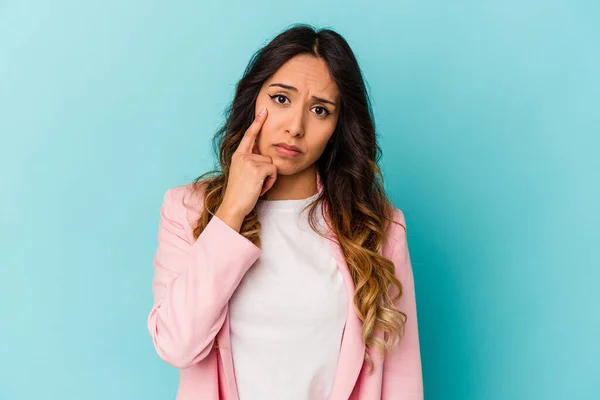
<point>194,280</point>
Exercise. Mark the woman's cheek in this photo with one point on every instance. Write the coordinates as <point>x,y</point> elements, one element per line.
<point>266,128</point>
<point>262,138</point>
<point>259,106</point>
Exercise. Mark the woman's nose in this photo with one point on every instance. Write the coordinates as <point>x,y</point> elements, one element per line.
<point>296,122</point>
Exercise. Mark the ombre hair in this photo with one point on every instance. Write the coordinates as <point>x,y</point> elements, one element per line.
<point>357,208</point>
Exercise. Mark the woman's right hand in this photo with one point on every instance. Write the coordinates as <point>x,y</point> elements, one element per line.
<point>250,175</point>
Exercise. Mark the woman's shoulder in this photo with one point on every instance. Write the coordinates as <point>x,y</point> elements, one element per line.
<point>397,231</point>
<point>399,215</point>
<point>183,202</point>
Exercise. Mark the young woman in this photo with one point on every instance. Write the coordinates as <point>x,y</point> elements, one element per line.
<point>285,274</point>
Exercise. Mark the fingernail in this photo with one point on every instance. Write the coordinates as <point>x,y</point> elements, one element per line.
<point>262,112</point>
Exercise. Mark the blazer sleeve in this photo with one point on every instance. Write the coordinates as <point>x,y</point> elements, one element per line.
<point>402,373</point>
<point>193,282</point>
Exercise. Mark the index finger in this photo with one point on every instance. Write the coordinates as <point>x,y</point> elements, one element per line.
<point>247,142</point>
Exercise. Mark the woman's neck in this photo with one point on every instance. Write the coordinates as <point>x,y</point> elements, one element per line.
<point>301,185</point>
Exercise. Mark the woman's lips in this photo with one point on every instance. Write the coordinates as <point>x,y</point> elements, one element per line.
<point>287,152</point>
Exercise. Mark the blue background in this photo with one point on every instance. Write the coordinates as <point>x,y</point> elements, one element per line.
<point>489,120</point>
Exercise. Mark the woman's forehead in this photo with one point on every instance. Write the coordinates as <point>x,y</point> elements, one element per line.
<point>306,73</point>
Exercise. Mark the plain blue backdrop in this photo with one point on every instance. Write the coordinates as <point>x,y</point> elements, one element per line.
<point>489,119</point>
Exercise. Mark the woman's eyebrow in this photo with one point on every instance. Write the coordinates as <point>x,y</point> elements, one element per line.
<point>293,89</point>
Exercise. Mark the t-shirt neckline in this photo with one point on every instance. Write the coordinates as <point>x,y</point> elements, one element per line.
<point>295,204</point>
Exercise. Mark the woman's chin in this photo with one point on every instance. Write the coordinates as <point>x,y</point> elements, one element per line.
<point>285,167</point>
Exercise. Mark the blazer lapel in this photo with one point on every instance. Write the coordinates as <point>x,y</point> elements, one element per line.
<point>352,349</point>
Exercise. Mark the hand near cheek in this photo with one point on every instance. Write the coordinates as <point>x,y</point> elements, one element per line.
<point>251,175</point>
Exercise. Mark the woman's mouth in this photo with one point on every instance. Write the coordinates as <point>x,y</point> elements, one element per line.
<point>286,152</point>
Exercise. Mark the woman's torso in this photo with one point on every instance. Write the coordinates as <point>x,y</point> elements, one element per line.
<point>290,305</point>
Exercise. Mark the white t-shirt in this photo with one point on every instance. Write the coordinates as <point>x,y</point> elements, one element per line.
<point>288,313</point>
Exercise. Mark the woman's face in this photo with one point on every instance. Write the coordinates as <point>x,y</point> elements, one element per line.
<point>300,113</point>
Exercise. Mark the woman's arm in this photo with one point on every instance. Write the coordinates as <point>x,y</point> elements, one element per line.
<point>193,281</point>
<point>402,374</point>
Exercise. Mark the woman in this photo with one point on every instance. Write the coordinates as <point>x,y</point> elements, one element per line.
<point>286,274</point>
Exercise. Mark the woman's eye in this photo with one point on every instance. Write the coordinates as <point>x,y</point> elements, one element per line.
<point>322,111</point>
<point>278,97</point>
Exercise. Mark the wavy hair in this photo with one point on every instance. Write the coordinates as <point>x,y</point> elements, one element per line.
<point>352,194</point>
